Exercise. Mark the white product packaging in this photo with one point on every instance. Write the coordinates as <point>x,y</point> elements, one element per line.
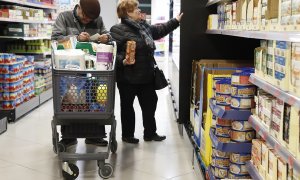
<point>282,64</point>
<point>69,59</point>
<point>104,60</point>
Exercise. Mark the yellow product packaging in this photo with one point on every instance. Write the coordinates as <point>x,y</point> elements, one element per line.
<point>293,132</point>
<point>206,145</point>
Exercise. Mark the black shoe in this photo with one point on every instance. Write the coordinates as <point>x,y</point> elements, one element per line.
<point>69,142</point>
<point>96,141</point>
<point>131,140</point>
<point>156,137</point>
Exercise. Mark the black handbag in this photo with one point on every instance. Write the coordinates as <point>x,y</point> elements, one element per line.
<point>160,80</point>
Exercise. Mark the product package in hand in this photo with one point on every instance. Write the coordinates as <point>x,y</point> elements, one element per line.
<point>104,54</point>
<point>130,51</point>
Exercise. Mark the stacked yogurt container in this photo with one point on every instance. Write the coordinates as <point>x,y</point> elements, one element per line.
<point>234,93</point>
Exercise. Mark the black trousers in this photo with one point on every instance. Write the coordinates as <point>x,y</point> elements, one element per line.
<point>90,131</point>
<point>148,101</point>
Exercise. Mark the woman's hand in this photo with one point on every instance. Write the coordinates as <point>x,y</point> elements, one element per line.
<point>127,62</point>
<point>179,16</point>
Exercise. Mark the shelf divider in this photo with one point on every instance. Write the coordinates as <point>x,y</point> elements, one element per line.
<point>230,114</point>
<point>229,147</point>
<point>272,142</point>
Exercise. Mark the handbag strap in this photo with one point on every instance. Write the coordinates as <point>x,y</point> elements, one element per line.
<point>155,64</point>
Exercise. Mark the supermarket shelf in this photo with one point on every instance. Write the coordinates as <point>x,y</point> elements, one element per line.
<point>229,147</point>
<point>45,96</point>
<point>268,35</point>
<point>252,171</point>
<point>21,110</point>
<point>25,21</point>
<point>231,114</point>
<point>41,53</point>
<point>278,148</point>
<point>284,96</point>
<point>25,38</point>
<point>210,174</point>
<point>40,5</point>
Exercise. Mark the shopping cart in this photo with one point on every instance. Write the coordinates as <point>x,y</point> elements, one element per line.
<point>84,99</point>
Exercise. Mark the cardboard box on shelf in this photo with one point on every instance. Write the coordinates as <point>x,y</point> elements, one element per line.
<point>268,63</point>
<point>293,130</point>
<point>282,169</point>
<point>273,15</point>
<point>282,64</point>
<point>295,15</point>
<point>273,163</point>
<point>264,159</point>
<point>256,20</point>
<point>294,82</point>
<point>256,153</point>
<point>285,15</point>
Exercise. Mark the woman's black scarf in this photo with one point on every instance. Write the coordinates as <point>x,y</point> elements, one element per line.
<point>144,30</point>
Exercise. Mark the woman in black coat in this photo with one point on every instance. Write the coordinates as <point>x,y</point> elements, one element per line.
<point>136,78</point>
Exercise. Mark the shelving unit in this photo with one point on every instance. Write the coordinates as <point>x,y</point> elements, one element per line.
<point>282,95</point>
<point>268,35</point>
<point>25,107</point>
<point>31,4</point>
<point>252,171</point>
<point>272,142</point>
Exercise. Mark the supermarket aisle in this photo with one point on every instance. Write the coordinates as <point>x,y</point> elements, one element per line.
<point>26,150</point>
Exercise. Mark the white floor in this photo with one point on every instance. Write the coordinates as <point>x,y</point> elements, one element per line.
<point>26,149</point>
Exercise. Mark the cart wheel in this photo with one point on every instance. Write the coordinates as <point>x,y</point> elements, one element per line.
<point>114,146</point>
<point>61,147</point>
<point>106,171</point>
<point>70,171</point>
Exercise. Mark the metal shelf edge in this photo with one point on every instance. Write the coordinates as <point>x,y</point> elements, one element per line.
<point>279,149</point>
<point>268,35</point>
<point>284,96</point>
<point>26,21</point>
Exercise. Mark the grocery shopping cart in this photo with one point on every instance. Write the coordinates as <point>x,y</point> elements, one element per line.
<point>84,99</point>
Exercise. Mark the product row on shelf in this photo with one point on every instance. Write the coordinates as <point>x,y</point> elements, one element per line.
<point>227,123</point>
<point>18,80</point>
<point>263,15</point>
<point>26,30</point>
<point>32,46</point>
<point>15,12</point>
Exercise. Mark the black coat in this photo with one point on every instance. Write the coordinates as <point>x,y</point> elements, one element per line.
<point>142,71</point>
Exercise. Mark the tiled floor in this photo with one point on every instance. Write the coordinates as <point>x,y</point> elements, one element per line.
<point>26,149</point>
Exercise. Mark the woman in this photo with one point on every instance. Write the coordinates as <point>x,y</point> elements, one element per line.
<point>135,78</point>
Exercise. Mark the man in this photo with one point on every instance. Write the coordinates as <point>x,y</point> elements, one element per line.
<point>83,22</point>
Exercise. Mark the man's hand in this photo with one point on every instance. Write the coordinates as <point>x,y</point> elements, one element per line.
<point>103,38</point>
<point>84,36</point>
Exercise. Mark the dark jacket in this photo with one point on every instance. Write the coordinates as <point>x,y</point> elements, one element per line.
<point>67,24</point>
<point>142,71</point>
